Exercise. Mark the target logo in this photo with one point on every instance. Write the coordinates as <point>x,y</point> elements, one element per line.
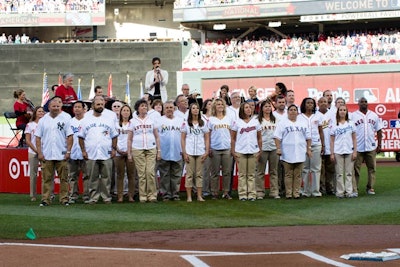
<point>15,167</point>
<point>380,109</point>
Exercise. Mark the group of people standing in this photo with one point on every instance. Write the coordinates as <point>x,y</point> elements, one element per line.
<point>309,150</point>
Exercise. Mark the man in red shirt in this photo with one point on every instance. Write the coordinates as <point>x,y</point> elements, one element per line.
<point>67,93</point>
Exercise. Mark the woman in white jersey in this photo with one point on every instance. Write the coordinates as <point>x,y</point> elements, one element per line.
<point>220,146</point>
<point>121,161</point>
<point>293,141</point>
<point>343,152</point>
<point>268,153</point>
<point>245,148</point>
<point>195,140</point>
<point>30,139</point>
<point>143,139</point>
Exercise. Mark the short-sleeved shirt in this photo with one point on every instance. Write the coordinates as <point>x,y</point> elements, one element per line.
<point>53,133</point>
<point>30,129</point>
<point>246,136</point>
<point>220,138</point>
<point>143,133</point>
<point>343,143</point>
<point>366,127</point>
<point>169,131</point>
<point>195,141</point>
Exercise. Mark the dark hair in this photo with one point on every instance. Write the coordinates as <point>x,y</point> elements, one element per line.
<point>337,114</point>
<point>261,112</point>
<point>156,59</point>
<point>283,88</point>
<point>303,105</point>
<point>77,102</point>
<point>18,92</point>
<point>190,116</point>
<point>226,87</point>
<point>53,88</point>
<point>54,97</point>
<point>177,98</point>
<point>35,111</point>
<point>158,102</point>
<point>241,110</point>
<point>293,105</point>
<point>137,105</point>
<point>97,87</point>
<point>204,108</point>
<point>150,97</point>
<point>120,117</point>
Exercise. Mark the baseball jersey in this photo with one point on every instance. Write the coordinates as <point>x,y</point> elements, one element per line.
<point>170,138</point>
<point>220,135</point>
<point>293,137</point>
<point>122,141</point>
<point>53,133</point>
<point>143,133</point>
<point>312,122</point>
<point>279,116</point>
<point>366,126</point>
<point>195,141</point>
<point>76,152</point>
<point>343,143</point>
<point>30,129</point>
<point>326,128</point>
<point>246,136</point>
<point>267,134</point>
<point>98,133</point>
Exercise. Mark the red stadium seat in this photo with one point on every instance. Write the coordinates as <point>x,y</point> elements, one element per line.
<point>222,68</point>
<point>212,68</point>
<point>186,69</point>
<point>314,64</point>
<point>241,67</point>
<point>250,66</point>
<point>231,67</point>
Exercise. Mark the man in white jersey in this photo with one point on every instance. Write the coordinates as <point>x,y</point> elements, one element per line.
<point>53,143</point>
<point>233,110</point>
<point>182,105</point>
<point>98,142</point>
<point>280,113</point>
<point>76,163</point>
<point>329,97</point>
<point>171,163</point>
<point>367,124</point>
<point>327,181</point>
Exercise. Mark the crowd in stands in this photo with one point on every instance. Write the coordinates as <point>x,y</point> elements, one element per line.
<point>47,6</point>
<point>321,49</point>
<point>205,3</point>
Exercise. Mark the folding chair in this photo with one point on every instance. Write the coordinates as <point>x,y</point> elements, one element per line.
<point>14,129</point>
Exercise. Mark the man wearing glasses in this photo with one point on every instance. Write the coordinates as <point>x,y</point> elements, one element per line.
<point>157,80</point>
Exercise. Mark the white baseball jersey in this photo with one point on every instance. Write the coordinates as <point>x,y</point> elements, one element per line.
<point>76,126</point>
<point>143,133</point>
<point>98,133</point>
<point>233,113</point>
<point>366,127</point>
<point>246,136</point>
<point>180,114</point>
<point>155,116</point>
<point>53,133</point>
<point>195,142</point>
<point>267,134</point>
<point>106,112</point>
<point>343,143</point>
<point>279,116</point>
<point>30,129</point>
<point>326,128</point>
<point>220,135</point>
<point>122,141</point>
<point>170,138</point>
<point>312,122</point>
<point>293,137</point>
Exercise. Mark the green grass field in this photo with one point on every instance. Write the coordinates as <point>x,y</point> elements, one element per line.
<point>18,214</point>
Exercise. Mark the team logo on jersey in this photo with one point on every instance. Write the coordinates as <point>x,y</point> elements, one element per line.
<point>106,133</point>
<point>60,126</point>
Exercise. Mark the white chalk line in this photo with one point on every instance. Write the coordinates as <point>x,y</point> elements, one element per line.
<point>194,255</point>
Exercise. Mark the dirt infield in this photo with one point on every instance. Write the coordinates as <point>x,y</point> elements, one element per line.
<point>270,246</point>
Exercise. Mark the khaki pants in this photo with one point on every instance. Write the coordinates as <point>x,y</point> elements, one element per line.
<point>345,165</point>
<point>247,170</point>
<point>194,172</point>
<point>74,168</point>
<point>145,161</point>
<point>33,171</point>
<point>293,178</point>
<point>221,160</point>
<point>370,161</point>
<point>122,165</point>
<point>272,158</point>
<point>48,167</point>
<point>312,167</point>
<point>99,172</point>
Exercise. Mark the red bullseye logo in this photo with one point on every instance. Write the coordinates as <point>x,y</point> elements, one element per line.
<point>14,168</point>
<point>380,109</point>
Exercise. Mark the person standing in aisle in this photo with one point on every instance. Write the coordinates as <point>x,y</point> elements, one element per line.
<point>367,124</point>
<point>343,152</point>
<point>53,143</point>
<point>246,143</point>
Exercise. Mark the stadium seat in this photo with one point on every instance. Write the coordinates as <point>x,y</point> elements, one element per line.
<point>14,129</point>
